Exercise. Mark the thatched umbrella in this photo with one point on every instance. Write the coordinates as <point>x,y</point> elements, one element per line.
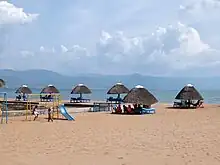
<point>81,89</point>
<point>189,92</point>
<point>2,83</point>
<point>140,95</point>
<point>24,89</point>
<point>50,89</point>
<point>118,89</point>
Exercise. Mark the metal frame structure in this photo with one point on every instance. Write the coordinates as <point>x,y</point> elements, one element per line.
<point>56,101</point>
<point>4,108</point>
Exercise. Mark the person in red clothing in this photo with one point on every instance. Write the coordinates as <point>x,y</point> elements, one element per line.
<point>118,109</point>
<point>130,110</point>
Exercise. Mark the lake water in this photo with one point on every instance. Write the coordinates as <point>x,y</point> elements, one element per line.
<point>210,96</point>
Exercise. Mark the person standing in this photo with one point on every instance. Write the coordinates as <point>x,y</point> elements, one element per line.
<point>35,112</point>
<point>50,118</point>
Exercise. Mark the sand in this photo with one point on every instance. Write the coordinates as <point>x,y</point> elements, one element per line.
<point>169,137</point>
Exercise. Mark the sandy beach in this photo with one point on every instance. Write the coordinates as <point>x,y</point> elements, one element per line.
<point>169,137</point>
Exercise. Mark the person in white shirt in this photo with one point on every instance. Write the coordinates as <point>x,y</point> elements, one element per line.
<point>35,112</point>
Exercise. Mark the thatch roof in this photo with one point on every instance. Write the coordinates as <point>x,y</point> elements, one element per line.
<point>2,83</point>
<point>189,92</point>
<point>118,88</point>
<point>140,95</point>
<point>50,89</point>
<point>81,89</point>
<point>24,89</point>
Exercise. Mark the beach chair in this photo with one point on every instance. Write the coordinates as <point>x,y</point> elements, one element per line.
<point>198,104</point>
<point>49,98</point>
<point>177,104</point>
<point>24,98</point>
<point>46,98</point>
<point>80,99</point>
<point>86,100</point>
<point>18,98</point>
<point>148,110</point>
<point>43,98</point>
<point>111,99</point>
<point>201,104</point>
<point>73,99</point>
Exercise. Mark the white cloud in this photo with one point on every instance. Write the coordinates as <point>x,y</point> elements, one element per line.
<point>200,9</point>
<point>166,50</point>
<point>55,59</point>
<point>26,54</point>
<point>173,48</point>
<point>10,14</point>
<point>63,48</point>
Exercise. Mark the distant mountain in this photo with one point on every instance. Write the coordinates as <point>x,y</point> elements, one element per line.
<point>41,78</point>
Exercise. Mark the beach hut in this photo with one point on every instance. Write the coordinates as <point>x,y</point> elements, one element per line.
<point>49,92</point>
<point>80,89</point>
<point>24,89</point>
<point>187,95</point>
<point>118,89</point>
<point>50,89</point>
<point>2,83</point>
<point>140,95</point>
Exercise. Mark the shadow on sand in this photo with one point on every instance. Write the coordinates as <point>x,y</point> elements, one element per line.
<point>171,107</point>
<point>56,118</point>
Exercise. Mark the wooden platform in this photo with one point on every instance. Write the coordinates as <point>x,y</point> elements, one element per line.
<point>19,102</point>
<point>68,104</point>
<point>84,104</point>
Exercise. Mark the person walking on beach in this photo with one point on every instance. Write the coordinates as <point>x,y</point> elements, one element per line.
<point>50,115</point>
<point>35,113</point>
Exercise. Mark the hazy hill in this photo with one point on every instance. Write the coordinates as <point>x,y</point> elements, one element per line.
<point>41,78</point>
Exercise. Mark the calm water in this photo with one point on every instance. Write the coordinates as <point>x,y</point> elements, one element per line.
<point>211,96</point>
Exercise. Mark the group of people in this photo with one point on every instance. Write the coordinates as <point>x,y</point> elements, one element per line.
<point>189,103</point>
<point>36,113</point>
<point>136,109</point>
<point>48,97</point>
<point>19,96</point>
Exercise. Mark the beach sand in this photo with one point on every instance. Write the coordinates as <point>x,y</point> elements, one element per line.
<point>169,137</point>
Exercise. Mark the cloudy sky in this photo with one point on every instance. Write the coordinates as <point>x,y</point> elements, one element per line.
<point>151,37</point>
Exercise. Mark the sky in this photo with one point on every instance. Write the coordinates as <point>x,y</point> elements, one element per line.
<point>150,37</point>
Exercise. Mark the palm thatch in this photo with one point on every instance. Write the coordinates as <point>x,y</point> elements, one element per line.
<point>24,89</point>
<point>118,88</point>
<point>50,89</point>
<point>140,95</point>
<point>189,92</point>
<point>81,89</point>
<point>2,83</point>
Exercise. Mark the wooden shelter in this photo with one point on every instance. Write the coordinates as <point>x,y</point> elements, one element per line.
<point>118,88</point>
<point>50,89</point>
<point>140,95</point>
<point>24,89</point>
<point>2,83</point>
<point>189,92</point>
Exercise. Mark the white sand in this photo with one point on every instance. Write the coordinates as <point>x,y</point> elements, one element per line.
<point>169,137</point>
